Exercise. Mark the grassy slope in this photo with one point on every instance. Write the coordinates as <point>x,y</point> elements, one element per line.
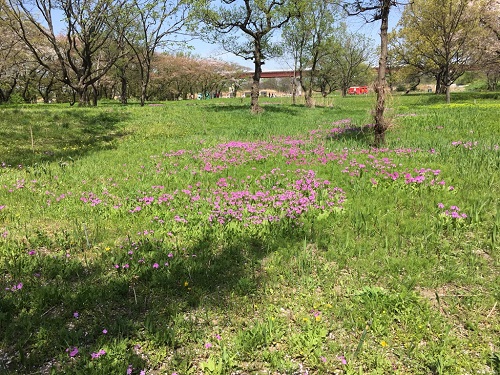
<point>389,284</point>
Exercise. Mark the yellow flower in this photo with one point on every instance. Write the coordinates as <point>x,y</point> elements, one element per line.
<point>186,283</point>
<point>383,343</point>
<point>107,248</point>
<point>318,318</point>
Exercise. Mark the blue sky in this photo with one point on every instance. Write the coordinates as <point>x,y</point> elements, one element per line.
<point>356,24</point>
<point>206,50</point>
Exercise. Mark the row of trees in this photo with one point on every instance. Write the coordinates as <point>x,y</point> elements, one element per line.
<point>447,38</point>
<point>83,48</point>
<point>76,44</point>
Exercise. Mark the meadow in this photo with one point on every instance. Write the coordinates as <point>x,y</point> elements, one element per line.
<point>193,237</point>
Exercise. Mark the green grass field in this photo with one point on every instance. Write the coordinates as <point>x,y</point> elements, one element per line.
<point>195,238</point>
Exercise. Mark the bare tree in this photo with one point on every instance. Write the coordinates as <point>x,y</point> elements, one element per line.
<point>257,20</point>
<point>155,21</point>
<point>86,46</point>
<point>349,54</point>
<point>306,38</point>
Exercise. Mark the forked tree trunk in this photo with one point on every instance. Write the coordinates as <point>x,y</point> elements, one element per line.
<point>310,103</point>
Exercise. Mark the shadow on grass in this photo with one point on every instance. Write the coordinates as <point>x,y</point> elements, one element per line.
<point>456,97</point>
<point>35,136</point>
<point>267,107</point>
<point>65,302</point>
<point>361,135</point>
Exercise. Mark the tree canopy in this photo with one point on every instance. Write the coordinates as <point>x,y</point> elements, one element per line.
<point>245,28</point>
<point>442,38</point>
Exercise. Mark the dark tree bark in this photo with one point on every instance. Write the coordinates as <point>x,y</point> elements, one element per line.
<point>255,91</point>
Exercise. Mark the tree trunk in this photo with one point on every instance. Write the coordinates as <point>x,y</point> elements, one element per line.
<point>83,95</point>
<point>439,89</point>
<point>254,103</point>
<point>143,95</point>
<point>309,99</point>
<point>123,90</point>
<point>294,86</point>
<point>95,95</point>
<point>308,90</point>
<point>25,93</point>
<point>380,121</point>
<point>492,80</point>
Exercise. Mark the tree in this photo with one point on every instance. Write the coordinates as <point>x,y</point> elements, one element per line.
<point>306,39</point>
<point>184,76</point>
<point>256,20</point>
<point>442,37</point>
<point>155,21</point>
<point>12,54</point>
<point>87,49</point>
<point>374,10</point>
<point>490,19</point>
<point>348,56</point>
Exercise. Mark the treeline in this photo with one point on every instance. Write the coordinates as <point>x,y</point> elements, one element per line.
<point>82,51</point>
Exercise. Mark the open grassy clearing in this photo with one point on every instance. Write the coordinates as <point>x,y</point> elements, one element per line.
<point>196,238</point>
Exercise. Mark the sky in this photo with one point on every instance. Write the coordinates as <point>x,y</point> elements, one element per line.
<point>356,24</point>
<point>214,51</point>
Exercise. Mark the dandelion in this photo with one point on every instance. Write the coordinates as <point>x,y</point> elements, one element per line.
<point>186,283</point>
<point>383,343</point>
